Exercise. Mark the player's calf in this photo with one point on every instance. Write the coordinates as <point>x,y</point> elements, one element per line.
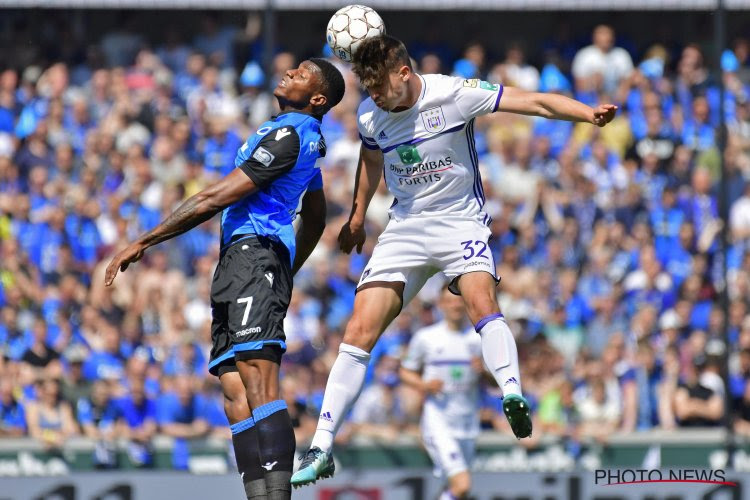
<point>245,442</point>
<point>276,444</point>
<point>244,432</point>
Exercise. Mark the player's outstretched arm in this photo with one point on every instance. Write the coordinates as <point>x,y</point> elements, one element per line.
<point>313,215</point>
<point>554,106</point>
<point>194,211</point>
<point>369,170</point>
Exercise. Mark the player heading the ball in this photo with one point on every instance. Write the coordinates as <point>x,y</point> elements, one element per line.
<point>421,128</point>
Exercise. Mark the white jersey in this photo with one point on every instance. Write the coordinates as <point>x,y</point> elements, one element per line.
<point>445,354</point>
<point>430,160</point>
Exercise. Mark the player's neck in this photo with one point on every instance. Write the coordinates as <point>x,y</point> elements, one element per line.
<point>413,90</point>
<point>455,326</point>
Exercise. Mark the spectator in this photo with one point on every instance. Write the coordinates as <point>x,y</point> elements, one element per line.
<point>39,354</point>
<point>136,423</point>
<point>601,66</point>
<point>50,418</point>
<point>96,416</point>
<point>12,414</point>
<point>742,407</point>
<point>739,216</point>
<point>74,385</point>
<point>598,411</point>
<point>515,71</point>
<point>105,361</point>
<point>695,404</point>
<point>182,415</point>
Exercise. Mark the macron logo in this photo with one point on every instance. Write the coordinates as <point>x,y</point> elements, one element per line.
<point>269,277</point>
<point>269,465</point>
<point>511,380</point>
<point>281,133</point>
<point>326,416</point>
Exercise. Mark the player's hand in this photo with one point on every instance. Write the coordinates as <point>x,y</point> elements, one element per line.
<point>121,261</point>
<point>350,236</point>
<point>432,386</point>
<point>603,114</point>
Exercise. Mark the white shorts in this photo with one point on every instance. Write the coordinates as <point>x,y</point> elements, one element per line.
<point>450,455</point>
<point>412,250</point>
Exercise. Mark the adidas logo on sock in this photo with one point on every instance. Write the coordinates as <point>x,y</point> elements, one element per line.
<point>326,416</point>
<point>511,380</point>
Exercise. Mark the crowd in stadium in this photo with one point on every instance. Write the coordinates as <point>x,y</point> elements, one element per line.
<point>607,242</point>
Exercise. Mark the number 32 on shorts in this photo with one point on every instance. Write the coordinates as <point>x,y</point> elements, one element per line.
<point>475,248</point>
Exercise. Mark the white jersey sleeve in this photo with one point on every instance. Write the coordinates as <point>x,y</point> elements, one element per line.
<point>476,97</point>
<point>415,355</point>
<point>365,125</point>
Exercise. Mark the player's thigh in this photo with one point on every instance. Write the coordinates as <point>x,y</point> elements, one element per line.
<point>479,291</point>
<point>375,306</point>
<point>400,254</point>
<point>235,400</point>
<point>467,261</point>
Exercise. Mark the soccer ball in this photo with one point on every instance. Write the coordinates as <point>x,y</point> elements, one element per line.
<point>349,26</point>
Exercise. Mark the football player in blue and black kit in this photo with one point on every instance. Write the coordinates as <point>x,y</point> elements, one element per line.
<point>260,254</point>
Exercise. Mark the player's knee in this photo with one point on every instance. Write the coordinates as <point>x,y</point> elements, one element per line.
<point>236,407</point>
<point>360,335</point>
<point>460,484</point>
<point>480,306</point>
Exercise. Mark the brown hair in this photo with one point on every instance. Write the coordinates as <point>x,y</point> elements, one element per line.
<point>378,56</point>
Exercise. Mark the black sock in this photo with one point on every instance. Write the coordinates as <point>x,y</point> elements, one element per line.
<point>245,441</point>
<point>277,445</point>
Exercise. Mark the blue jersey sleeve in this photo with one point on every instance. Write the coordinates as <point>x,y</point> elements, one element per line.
<point>316,183</point>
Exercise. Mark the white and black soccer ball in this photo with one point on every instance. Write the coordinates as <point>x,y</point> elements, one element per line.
<point>349,26</point>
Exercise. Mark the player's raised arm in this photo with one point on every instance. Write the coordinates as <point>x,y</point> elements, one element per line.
<point>554,106</point>
<point>195,210</point>
<point>313,215</point>
<point>369,170</point>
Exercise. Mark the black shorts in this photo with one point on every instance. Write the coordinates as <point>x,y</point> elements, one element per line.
<point>250,294</point>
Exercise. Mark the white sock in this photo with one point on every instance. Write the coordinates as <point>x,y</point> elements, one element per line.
<point>500,353</point>
<point>344,385</point>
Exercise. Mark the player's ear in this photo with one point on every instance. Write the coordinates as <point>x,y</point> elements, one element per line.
<point>318,100</point>
<point>404,72</point>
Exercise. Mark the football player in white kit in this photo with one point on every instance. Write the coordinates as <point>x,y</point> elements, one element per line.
<point>419,130</point>
<point>448,355</point>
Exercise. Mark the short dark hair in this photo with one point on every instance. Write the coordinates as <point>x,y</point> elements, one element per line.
<point>378,56</point>
<point>332,83</point>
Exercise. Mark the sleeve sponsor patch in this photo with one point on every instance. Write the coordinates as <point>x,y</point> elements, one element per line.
<point>263,156</point>
<point>488,86</point>
<point>471,82</point>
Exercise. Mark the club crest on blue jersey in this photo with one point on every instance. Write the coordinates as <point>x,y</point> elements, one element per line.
<point>433,119</point>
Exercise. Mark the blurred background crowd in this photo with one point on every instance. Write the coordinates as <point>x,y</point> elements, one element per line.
<point>607,240</point>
